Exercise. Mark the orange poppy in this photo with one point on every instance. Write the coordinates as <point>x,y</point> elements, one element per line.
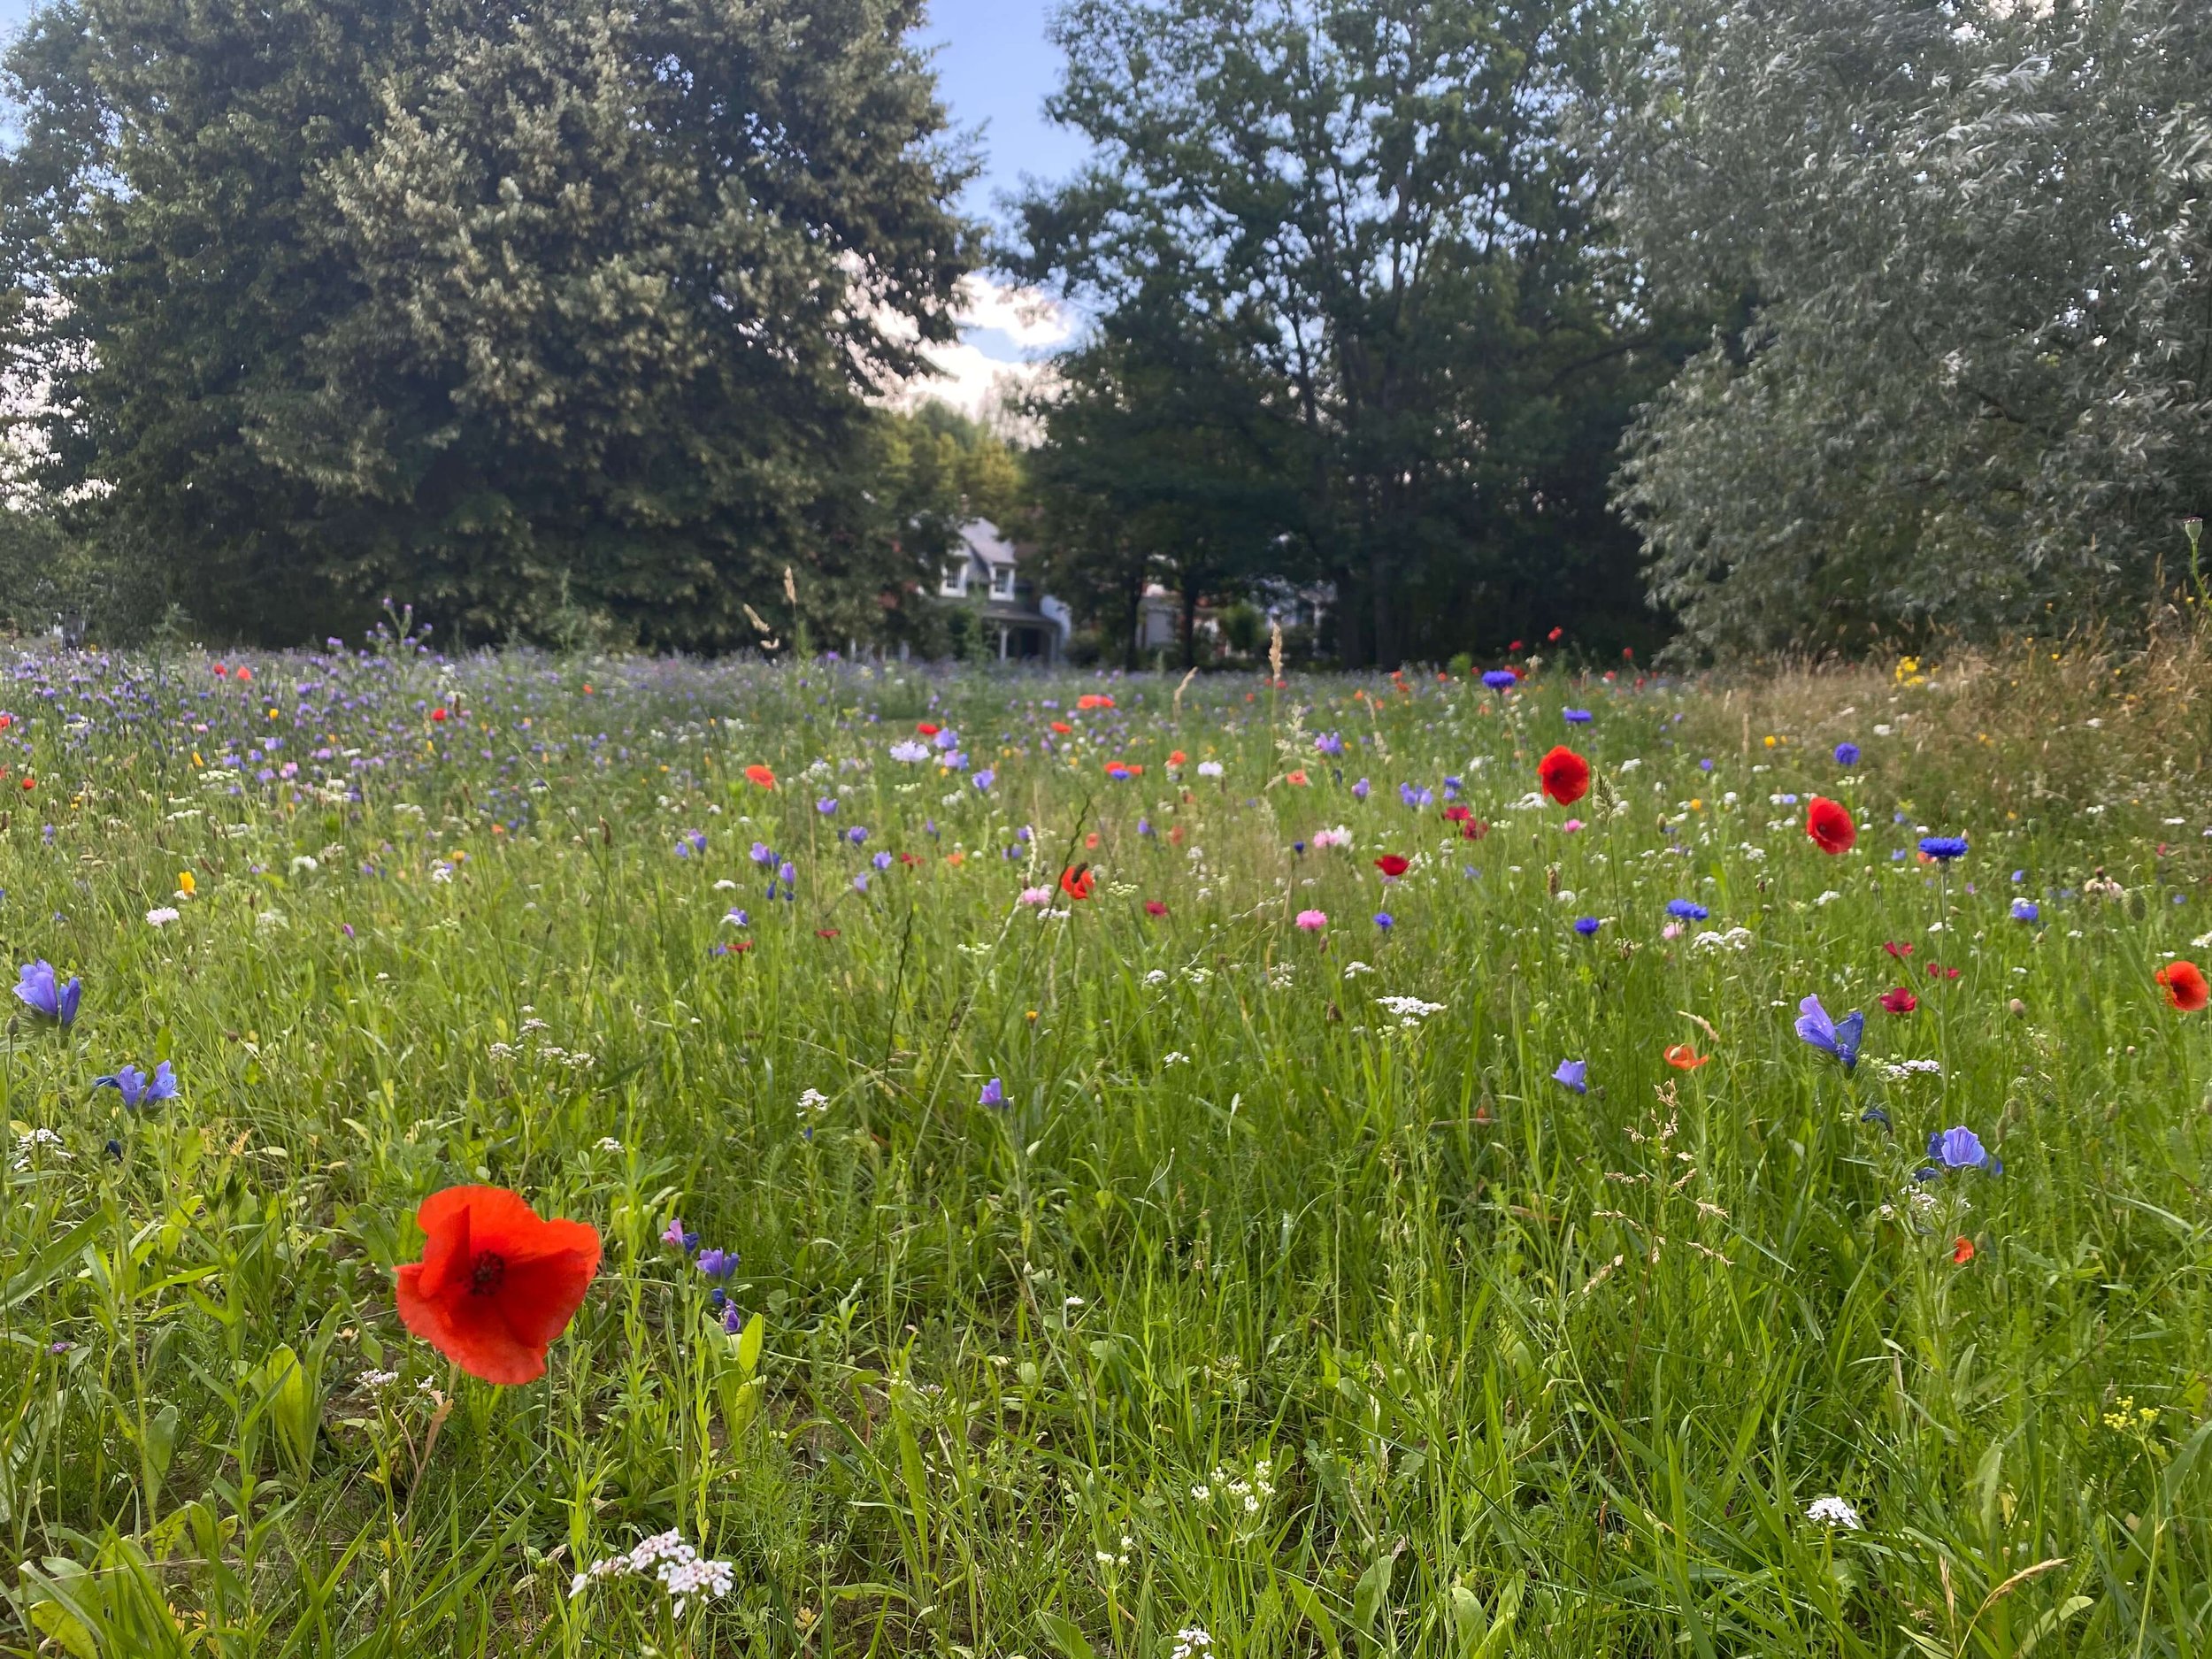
<point>496,1284</point>
<point>2185,986</point>
<point>1963,1249</point>
<point>1076,881</point>
<point>1297,778</point>
<point>1175,759</point>
<point>1063,727</point>
<point>760,775</point>
<point>1682,1057</point>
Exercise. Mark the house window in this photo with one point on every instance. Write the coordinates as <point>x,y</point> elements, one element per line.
<point>1002,581</point>
<point>954,585</point>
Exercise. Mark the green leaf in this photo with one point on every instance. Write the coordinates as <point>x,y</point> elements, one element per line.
<point>1070,1641</point>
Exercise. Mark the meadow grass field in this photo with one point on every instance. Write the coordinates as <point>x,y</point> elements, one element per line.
<point>1044,1208</point>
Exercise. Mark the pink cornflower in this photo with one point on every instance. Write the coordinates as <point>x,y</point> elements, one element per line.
<point>1313,921</point>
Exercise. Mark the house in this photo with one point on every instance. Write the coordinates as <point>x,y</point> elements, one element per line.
<point>984,572</point>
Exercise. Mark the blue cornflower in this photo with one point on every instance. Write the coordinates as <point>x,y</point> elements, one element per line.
<point>1577,716</point>
<point>1384,920</point>
<point>1705,766</point>
<point>860,882</point>
<point>984,778</point>
<point>947,739</point>
<point>1298,847</point>
<point>826,805</point>
<point>691,844</point>
<point>1839,1037</point>
<point>1875,1115</point>
<point>994,1094</point>
<point>1359,790</point>
<point>1574,1074</point>
<point>138,1089</point>
<point>1501,680</point>
<point>857,834</point>
<point>718,1263</point>
<point>1960,1149</point>
<point>2026,911</point>
<point>1687,910</point>
<point>1586,925</point>
<point>1329,743</point>
<point>38,986</point>
<point>882,860</point>
<point>737,917</point>
<point>1943,848</point>
<point>1847,754</point>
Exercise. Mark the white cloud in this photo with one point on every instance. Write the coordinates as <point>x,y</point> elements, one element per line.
<point>979,377</point>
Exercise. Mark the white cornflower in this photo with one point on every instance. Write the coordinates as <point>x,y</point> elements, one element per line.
<point>1834,1511</point>
<point>1209,768</point>
<point>909,751</point>
<point>161,916</point>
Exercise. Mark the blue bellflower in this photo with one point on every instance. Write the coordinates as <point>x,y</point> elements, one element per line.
<point>1839,1037</point>
<point>40,988</point>
<point>1574,1074</point>
<point>1960,1149</point>
<point>137,1089</point>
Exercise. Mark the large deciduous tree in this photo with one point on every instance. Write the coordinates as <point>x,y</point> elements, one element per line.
<point>499,308</point>
<point>1975,239</point>
<point>1384,204</point>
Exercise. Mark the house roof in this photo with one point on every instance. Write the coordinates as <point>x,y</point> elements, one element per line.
<point>984,541</point>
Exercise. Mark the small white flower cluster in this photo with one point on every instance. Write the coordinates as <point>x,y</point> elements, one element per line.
<point>679,1567</point>
<point>1340,836</point>
<point>1175,1056</point>
<point>1209,768</point>
<point>1828,897</point>
<point>608,1143</point>
<point>1353,970</point>
<point>35,1141</point>
<point>1834,1511</point>
<point>1410,1010</point>
<point>1110,1559</point>
<point>376,1379</point>
<point>1280,975</point>
<point>1734,939</point>
<point>1250,1495</point>
<point>1190,1642</point>
<point>1158,976</point>
<point>161,916</point>
<point>813,1102</point>
<point>1902,1070</point>
<point>909,751</point>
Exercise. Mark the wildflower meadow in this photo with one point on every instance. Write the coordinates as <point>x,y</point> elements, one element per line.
<point>536,1155</point>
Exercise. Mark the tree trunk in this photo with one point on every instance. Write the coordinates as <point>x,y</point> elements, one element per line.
<point>1136,616</point>
<point>1190,623</point>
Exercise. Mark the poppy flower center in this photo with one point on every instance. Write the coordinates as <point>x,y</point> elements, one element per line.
<point>488,1275</point>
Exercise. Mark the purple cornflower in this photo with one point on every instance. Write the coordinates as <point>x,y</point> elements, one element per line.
<point>882,860</point>
<point>1359,790</point>
<point>826,805</point>
<point>994,1094</point>
<point>691,844</point>
<point>762,854</point>
<point>857,834</point>
<point>2026,911</point>
<point>137,1089</point>
<point>38,986</point>
<point>1577,717</point>
<point>1328,743</point>
<point>984,778</point>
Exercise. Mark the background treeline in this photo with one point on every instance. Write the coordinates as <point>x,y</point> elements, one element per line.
<point>1792,323</point>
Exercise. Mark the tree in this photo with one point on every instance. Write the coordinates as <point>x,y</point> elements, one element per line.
<point>1383,205</point>
<point>493,307</point>
<point>1973,249</point>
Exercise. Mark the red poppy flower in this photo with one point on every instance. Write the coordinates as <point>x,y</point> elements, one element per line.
<point>1077,881</point>
<point>1391,865</point>
<point>760,775</point>
<point>2185,986</point>
<point>1554,635</point>
<point>1564,774</point>
<point>221,672</point>
<point>245,673</point>
<point>1515,646</point>
<point>1937,971</point>
<point>1175,759</point>
<point>1153,907</point>
<point>927,728</point>
<point>1682,1057</point>
<point>1063,727</point>
<point>1473,830</point>
<point>1829,824</point>
<point>826,932</point>
<point>1296,779</point>
<point>1900,1001</point>
<point>1089,700</point>
<point>438,714</point>
<point>1963,1249</point>
<point>495,1284</point>
<point>1897,950</point>
<point>1457,814</point>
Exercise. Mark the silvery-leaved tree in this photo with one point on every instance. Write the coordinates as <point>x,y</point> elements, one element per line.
<point>1974,244</point>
